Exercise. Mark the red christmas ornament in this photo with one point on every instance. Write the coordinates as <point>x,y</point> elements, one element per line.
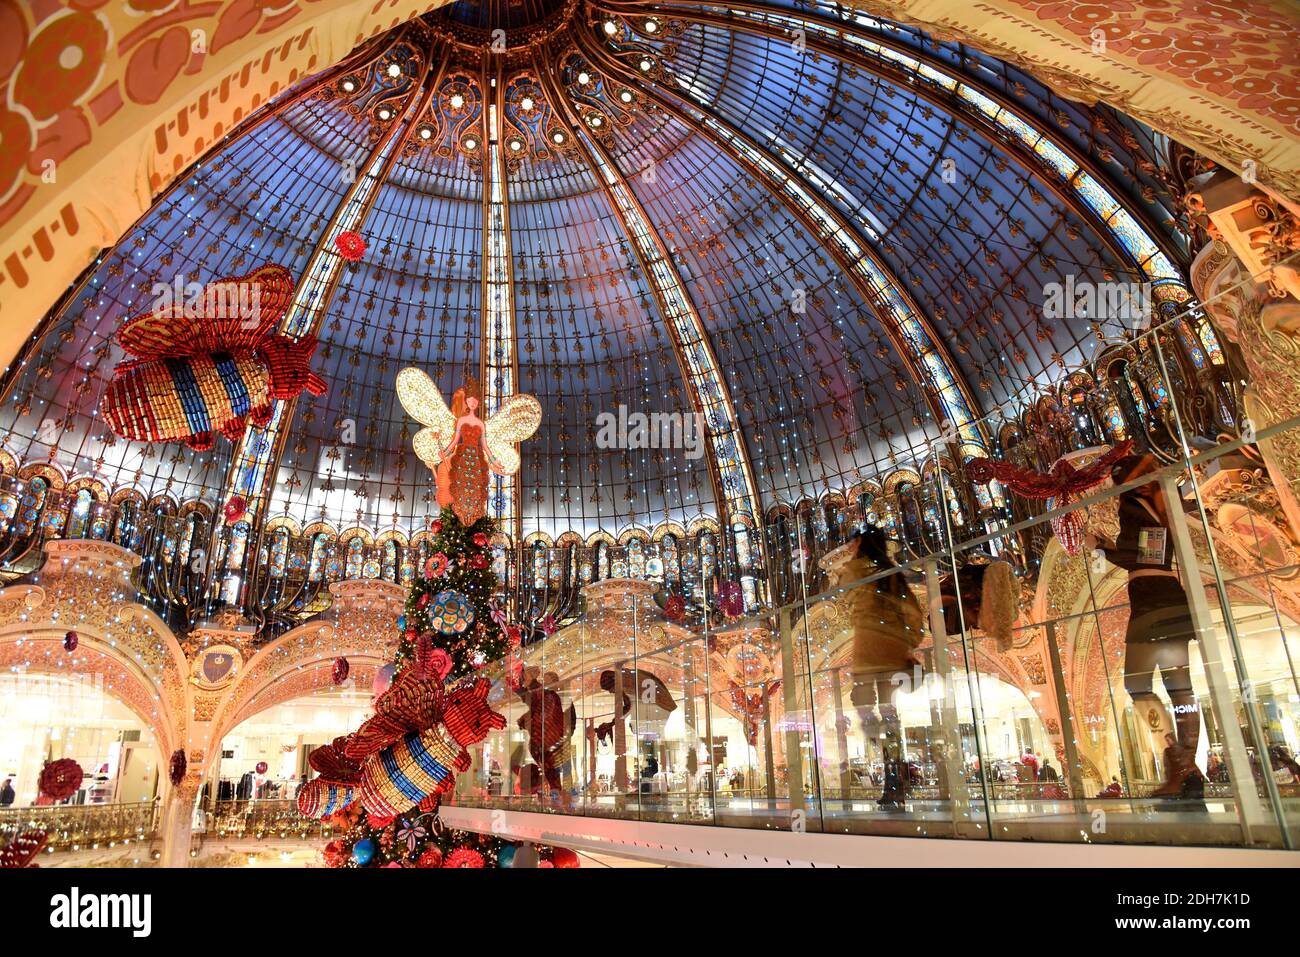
<point>480,539</point>
<point>731,599</point>
<point>436,527</point>
<point>176,771</point>
<point>350,245</point>
<point>478,561</point>
<point>564,857</point>
<point>70,641</point>
<point>341,669</point>
<point>235,509</point>
<point>60,779</point>
<point>675,607</point>
<point>429,857</point>
<point>336,854</point>
<point>464,857</point>
<point>261,767</point>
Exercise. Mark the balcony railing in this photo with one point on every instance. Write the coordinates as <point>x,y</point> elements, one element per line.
<point>76,827</point>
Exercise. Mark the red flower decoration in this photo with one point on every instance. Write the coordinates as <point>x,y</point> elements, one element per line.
<point>436,566</point>
<point>341,669</point>
<point>463,857</point>
<point>675,607</point>
<point>564,857</point>
<point>60,779</point>
<point>350,245</point>
<point>235,508</point>
<point>429,857</point>
<point>478,561</point>
<point>70,641</point>
<point>480,539</point>
<point>335,854</point>
<point>176,770</point>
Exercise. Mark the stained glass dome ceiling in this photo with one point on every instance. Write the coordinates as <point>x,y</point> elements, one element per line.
<point>829,233</point>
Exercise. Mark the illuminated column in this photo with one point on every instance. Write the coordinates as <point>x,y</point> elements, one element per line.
<point>499,361</point>
<point>735,489</point>
<point>949,398</point>
<point>252,466</point>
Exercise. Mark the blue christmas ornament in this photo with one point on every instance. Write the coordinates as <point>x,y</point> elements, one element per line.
<point>363,851</point>
<point>506,856</point>
<point>401,623</point>
<point>451,612</point>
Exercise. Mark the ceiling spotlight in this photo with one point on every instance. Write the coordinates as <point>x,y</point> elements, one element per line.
<point>394,70</point>
<point>557,137</point>
<point>471,143</point>
<point>595,121</point>
<point>651,26</point>
<point>526,104</point>
<point>385,113</point>
<point>516,145</point>
<point>426,133</point>
<point>584,77</point>
<point>457,101</point>
<point>646,64</point>
<point>625,96</point>
<point>611,28</point>
<point>348,86</point>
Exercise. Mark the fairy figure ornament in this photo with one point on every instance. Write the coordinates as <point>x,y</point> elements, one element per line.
<point>460,447</point>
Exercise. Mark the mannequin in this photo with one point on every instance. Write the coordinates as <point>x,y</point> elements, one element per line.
<point>887,627</point>
<point>1159,629</point>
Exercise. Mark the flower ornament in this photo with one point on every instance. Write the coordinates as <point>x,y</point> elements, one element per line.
<point>548,625</point>
<point>411,834</point>
<point>498,615</point>
<point>478,561</point>
<point>436,566</point>
<point>480,539</point>
<point>60,779</point>
<point>464,857</point>
<point>350,245</point>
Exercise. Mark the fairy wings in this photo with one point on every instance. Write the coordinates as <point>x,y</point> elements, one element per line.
<point>516,420</point>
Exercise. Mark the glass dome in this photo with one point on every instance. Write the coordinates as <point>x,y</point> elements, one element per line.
<point>831,243</point>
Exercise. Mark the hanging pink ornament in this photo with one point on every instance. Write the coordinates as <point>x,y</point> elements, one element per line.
<point>383,679</point>
<point>341,669</point>
<point>176,771</point>
<point>70,641</point>
<point>350,245</point>
<point>235,509</point>
<point>731,599</point>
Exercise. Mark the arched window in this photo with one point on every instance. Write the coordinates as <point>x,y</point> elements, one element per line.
<point>636,558</point>
<point>355,557</point>
<point>279,552</point>
<point>79,514</point>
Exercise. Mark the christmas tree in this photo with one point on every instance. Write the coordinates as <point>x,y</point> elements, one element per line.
<point>451,628</point>
<point>382,784</point>
<point>450,604</point>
